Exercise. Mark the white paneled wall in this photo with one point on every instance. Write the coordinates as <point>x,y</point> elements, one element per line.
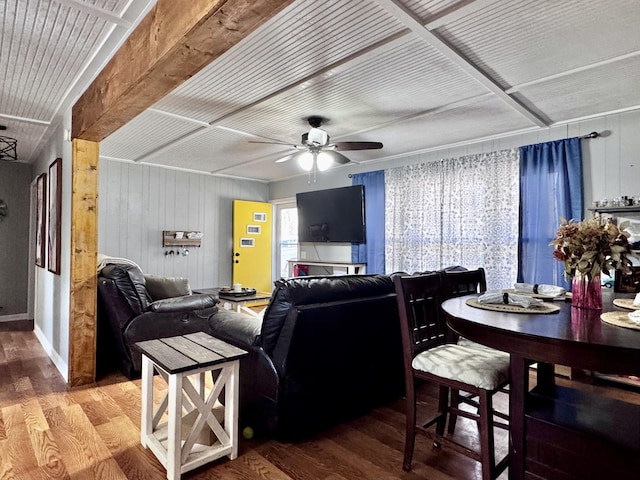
<point>137,202</point>
<point>611,162</point>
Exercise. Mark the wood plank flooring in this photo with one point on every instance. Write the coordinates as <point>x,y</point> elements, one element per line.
<point>51,431</point>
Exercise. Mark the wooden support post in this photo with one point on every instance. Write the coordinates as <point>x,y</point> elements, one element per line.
<point>171,44</point>
<point>84,250</point>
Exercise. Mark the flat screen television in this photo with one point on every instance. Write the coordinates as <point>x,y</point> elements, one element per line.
<point>332,215</point>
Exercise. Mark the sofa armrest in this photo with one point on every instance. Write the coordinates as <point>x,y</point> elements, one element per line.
<point>259,381</point>
<point>237,328</point>
<point>152,325</point>
<point>184,303</point>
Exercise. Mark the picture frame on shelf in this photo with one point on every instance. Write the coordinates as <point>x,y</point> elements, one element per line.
<point>41,219</point>
<point>55,216</point>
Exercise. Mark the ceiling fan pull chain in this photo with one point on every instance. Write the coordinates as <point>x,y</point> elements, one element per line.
<point>315,166</point>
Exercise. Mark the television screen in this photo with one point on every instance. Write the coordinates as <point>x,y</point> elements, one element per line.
<point>332,215</point>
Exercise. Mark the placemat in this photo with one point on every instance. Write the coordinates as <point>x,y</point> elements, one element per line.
<point>619,319</point>
<point>625,303</point>
<point>530,294</point>
<point>544,307</point>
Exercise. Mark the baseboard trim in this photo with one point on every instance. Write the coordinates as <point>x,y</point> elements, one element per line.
<point>17,326</point>
<point>14,317</point>
<point>57,360</point>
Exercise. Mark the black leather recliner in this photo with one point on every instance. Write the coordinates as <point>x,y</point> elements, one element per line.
<point>327,349</point>
<point>128,314</point>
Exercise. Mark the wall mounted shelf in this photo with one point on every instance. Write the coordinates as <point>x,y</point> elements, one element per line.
<point>629,209</point>
<point>169,238</point>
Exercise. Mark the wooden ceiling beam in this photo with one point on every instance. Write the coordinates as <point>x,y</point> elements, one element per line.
<point>171,44</point>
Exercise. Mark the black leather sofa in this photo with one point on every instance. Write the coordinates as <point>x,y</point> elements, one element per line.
<point>327,349</point>
<point>128,313</point>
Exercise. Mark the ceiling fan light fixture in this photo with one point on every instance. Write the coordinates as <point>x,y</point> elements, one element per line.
<point>305,161</point>
<point>317,136</point>
<point>324,161</point>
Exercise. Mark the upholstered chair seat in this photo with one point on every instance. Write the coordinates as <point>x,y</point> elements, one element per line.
<point>481,367</point>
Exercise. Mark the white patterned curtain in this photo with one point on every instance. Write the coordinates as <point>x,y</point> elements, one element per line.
<point>457,211</point>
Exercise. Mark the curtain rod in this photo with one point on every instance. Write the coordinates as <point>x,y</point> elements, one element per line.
<point>591,135</point>
<point>588,135</point>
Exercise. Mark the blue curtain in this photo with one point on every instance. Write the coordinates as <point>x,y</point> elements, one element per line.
<point>550,188</point>
<point>371,252</point>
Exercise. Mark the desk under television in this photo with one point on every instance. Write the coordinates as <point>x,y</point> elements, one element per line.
<point>311,267</point>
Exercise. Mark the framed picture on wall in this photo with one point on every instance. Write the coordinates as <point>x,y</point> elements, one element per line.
<point>41,218</point>
<point>55,215</point>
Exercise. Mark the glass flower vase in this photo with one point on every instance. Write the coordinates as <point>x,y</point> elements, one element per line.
<point>586,291</point>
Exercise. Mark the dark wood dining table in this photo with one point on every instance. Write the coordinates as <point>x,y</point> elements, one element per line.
<point>562,432</point>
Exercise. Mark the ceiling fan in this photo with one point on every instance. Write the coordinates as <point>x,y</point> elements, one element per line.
<point>316,151</point>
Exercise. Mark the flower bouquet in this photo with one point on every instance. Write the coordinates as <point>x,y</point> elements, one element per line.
<point>588,249</point>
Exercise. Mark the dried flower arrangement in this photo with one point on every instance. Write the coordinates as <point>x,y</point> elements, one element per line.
<point>592,247</point>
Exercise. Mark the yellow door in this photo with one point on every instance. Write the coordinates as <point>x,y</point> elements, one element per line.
<point>252,244</point>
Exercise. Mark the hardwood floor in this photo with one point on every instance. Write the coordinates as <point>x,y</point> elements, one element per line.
<point>50,431</point>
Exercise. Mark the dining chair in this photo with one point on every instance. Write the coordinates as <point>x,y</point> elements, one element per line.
<point>457,283</point>
<point>428,357</point>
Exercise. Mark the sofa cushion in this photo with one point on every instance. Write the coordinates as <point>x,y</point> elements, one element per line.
<point>310,290</point>
<point>167,287</point>
<point>131,283</point>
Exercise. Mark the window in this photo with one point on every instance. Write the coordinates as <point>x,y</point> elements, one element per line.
<point>287,237</point>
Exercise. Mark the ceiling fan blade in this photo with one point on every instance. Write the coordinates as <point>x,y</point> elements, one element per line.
<point>271,140</point>
<point>358,145</point>
<point>274,143</point>
<point>288,157</point>
<point>336,157</point>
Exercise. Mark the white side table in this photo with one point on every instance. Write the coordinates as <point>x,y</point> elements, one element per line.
<point>192,435</point>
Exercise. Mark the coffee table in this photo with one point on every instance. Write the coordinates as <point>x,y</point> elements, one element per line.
<point>242,303</point>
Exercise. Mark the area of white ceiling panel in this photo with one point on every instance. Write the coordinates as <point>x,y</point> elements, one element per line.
<point>43,47</point>
<point>483,118</point>
<point>597,90</point>
<point>302,40</point>
<point>408,79</point>
<point>211,149</point>
<point>264,171</point>
<point>532,40</point>
<point>144,134</point>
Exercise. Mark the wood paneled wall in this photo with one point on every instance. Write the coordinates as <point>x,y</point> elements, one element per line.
<point>137,202</point>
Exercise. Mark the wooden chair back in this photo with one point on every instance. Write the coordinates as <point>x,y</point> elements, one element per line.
<point>459,283</point>
<point>421,323</point>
